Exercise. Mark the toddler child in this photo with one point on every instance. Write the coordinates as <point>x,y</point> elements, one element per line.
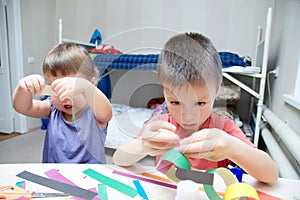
<point>78,113</point>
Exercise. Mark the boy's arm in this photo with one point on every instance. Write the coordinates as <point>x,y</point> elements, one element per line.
<point>215,145</point>
<point>255,162</point>
<point>157,137</point>
<point>129,153</point>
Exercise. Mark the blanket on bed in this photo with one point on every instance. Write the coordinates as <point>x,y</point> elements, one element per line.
<point>149,61</point>
<point>127,61</point>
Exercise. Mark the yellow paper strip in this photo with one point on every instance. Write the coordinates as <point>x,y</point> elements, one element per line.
<point>48,91</point>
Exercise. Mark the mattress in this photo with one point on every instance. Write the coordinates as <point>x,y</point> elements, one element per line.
<point>126,123</point>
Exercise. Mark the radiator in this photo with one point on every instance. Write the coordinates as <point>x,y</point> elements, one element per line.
<point>283,145</point>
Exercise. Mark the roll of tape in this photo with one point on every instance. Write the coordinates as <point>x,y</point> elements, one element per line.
<point>237,190</point>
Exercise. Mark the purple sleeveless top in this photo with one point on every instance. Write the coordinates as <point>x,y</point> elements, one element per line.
<point>78,142</point>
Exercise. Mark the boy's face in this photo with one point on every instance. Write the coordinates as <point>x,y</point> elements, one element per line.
<point>190,105</point>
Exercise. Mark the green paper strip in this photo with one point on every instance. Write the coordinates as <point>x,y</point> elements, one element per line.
<point>177,158</point>
<point>173,157</point>
<point>228,177</point>
<point>102,194</point>
<point>121,187</point>
<point>73,113</point>
<point>21,184</point>
<point>209,190</point>
<point>93,55</point>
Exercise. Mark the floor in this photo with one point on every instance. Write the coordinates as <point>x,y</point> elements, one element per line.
<point>4,136</point>
<point>27,148</point>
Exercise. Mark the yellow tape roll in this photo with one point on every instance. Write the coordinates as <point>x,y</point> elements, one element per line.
<point>237,190</point>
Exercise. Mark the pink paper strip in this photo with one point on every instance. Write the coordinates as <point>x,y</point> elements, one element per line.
<point>55,175</point>
<point>21,198</point>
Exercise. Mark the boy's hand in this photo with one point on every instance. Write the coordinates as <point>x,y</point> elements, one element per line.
<point>159,137</point>
<point>32,83</point>
<point>212,144</point>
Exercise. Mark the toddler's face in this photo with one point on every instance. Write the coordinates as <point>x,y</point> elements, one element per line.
<point>190,104</point>
<point>67,106</point>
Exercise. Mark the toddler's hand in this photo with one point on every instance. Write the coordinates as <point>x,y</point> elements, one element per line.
<point>32,83</point>
<point>159,137</point>
<point>67,87</point>
<point>212,144</point>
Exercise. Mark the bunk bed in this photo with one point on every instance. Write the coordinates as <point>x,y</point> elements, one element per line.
<point>127,121</point>
<point>260,62</point>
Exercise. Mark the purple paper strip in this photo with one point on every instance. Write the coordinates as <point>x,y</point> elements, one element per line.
<point>145,179</point>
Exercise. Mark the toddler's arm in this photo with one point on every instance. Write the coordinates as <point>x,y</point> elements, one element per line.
<point>22,97</point>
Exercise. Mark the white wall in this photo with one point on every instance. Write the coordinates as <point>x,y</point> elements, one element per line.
<point>38,34</point>
<point>140,26</point>
<point>144,26</point>
<point>230,24</point>
<point>285,53</point>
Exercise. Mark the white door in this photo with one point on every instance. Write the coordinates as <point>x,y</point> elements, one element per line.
<point>6,110</point>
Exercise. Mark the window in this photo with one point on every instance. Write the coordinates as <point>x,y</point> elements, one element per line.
<point>294,99</point>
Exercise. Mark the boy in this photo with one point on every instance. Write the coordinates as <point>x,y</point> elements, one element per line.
<point>189,70</point>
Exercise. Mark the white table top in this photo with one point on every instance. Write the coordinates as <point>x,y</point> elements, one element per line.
<point>284,188</point>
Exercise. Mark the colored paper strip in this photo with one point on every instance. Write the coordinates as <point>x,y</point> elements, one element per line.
<point>140,189</point>
<point>21,184</point>
<point>102,193</point>
<point>21,198</point>
<point>48,91</point>
<point>156,177</point>
<point>145,179</point>
<point>197,176</point>
<point>121,187</point>
<point>160,178</point>
<point>55,175</point>
<point>263,195</point>
<point>228,178</point>
<point>173,157</point>
<point>56,185</point>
